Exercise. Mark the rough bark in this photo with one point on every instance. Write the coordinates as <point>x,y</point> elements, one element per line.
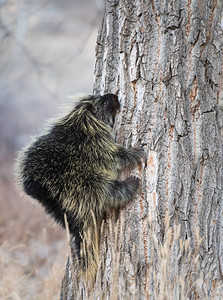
<point>164,60</point>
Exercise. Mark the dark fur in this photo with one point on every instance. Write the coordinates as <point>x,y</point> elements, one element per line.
<point>73,168</point>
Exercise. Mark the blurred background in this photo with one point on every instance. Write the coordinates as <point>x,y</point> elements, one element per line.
<point>47,50</point>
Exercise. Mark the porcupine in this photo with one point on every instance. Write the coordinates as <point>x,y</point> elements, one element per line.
<point>72,168</point>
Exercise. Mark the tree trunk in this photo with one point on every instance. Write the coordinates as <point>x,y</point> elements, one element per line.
<point>164,61</point>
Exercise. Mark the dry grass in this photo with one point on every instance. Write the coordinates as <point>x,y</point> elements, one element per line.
<point>174,266</point>
<point>173,271</point>
<point>26,275</point>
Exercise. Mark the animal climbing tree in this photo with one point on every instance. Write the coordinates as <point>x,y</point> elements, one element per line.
<point>164,61</point>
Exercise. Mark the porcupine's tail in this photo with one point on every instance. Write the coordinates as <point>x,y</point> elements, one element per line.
<point>84,250</point>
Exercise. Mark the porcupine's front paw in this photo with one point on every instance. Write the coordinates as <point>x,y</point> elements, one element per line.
<point>132,184</point>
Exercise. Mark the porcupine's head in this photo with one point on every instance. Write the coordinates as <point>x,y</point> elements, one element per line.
<point>104,107</point>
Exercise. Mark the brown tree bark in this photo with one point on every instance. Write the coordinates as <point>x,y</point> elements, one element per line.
<point>164,60</point>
